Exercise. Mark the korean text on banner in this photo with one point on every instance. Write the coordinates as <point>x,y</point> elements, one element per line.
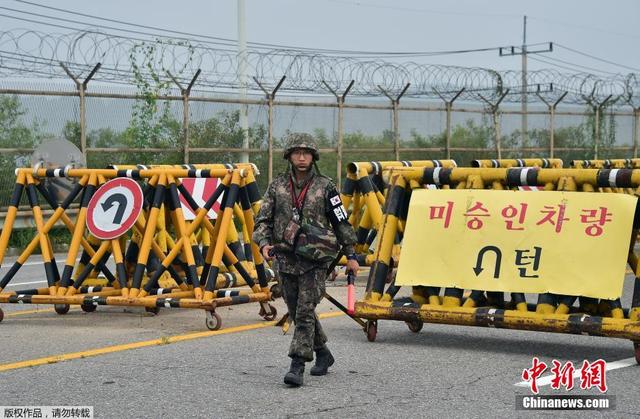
<point>570,243</point>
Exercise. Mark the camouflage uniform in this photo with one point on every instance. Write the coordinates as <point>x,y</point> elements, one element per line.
<point>302,280</point>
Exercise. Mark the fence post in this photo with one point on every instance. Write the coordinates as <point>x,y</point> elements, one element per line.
<point>636,127</point>
<point>82,88</point>
<point>270,95</point>
<point>340,99</point>
<point>448,105</point>
<point>185,112</point>
<point>496,122</point>
<point>597,107</point>
<point>552,120</point>
<point>394,106</point>
<point>601,106</point>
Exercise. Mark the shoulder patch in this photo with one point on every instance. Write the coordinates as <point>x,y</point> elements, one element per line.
<point>336,211</point>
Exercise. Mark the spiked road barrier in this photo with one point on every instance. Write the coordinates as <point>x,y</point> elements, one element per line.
<point>551,313</point>
<point>161,260</point>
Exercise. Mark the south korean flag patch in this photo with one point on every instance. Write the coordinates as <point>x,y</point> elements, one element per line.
<point>336,211</point>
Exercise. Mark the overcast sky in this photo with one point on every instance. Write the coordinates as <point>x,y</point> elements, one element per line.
<point>608,31</point>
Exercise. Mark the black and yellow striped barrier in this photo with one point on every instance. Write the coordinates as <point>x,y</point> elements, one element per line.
<point>551,313</point>
<point>606,164</point>
<point>363,194</point>
<point>508,163</point>
<point>162,263</point>
<point>365,188</point>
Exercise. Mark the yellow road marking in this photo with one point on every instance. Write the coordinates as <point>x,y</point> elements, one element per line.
<point>143,344</point>
<point>21,313</point>
<point>25,312</point>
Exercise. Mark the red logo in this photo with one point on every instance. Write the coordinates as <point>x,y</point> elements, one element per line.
<point>592,374</point>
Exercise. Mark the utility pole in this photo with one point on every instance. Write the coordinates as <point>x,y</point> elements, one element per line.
<point>242,76</point>
<point>523,101</point>
<point>523,51</point>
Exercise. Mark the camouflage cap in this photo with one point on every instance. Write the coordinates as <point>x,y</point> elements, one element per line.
<point>297,140</point>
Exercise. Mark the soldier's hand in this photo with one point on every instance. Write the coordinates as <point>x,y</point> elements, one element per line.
<point>267,252</point>
<point>353,266</point>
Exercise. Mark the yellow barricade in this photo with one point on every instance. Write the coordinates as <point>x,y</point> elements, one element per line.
<point>363,194</point>
<point>364,191</point>
<point>606,164</point>
<point>444,300</point>
<point>507,163</point>
<point>162,265</point>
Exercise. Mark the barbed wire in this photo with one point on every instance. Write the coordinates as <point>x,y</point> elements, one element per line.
<point>130,60</point>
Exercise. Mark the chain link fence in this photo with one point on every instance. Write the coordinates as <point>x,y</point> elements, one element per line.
<point>116,124</point>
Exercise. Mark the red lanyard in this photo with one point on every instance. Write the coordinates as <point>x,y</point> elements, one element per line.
<point>298,201</point>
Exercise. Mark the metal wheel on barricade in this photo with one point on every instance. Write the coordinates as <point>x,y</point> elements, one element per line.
<point>1,315</point>
<point>636,349</point>
<point>415,325</point>
<point>213,320</point>
<point>61,308</point>
<point>268,316</point>
<point>371,330</point>
<point>88,308</point>
<point>152,310</point>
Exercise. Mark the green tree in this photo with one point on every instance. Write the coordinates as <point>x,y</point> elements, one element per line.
<point>15,133</point>
<point>71,132</point>
<point>478,138</point>
<point>152,125</point>
<point>222,131</point>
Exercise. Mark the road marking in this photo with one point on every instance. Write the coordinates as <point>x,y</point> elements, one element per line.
<point>143,344</point>
<point>39,263</point>
<point>58,262</point>
<point>23,312</point>
<point>546,380</point>
<point>27,283</point>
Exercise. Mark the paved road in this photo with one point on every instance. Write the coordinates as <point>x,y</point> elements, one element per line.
<point>179,369</point>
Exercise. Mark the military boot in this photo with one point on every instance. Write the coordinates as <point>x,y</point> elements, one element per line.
<point>296,372</point>
<point>324,360</point>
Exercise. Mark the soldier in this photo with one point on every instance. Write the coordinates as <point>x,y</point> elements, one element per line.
<point>302,222</point>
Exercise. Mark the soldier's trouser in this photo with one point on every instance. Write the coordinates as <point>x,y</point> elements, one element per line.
<point>302,293</point>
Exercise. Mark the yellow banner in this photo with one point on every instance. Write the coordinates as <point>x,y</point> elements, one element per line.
<point>572,243</point>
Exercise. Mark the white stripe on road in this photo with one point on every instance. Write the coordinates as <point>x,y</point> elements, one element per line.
<point>38,263</point>
<point>44,281</point>
<point>546,380</point>
<point>58,262</point>
<point>27,283</point>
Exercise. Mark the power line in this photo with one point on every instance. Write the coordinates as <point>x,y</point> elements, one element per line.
<point>587,28</point>
<point>598,59</point>
<point>411,9</point>
<point>553,64</point>
<point>218,41</point>
<point>373,53</point>
<point>578,66</point>
<point>571,66</point>
<point>75,29</point>
<point>223,41</point>
<point>233,42</point>
<point>79,22</point>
